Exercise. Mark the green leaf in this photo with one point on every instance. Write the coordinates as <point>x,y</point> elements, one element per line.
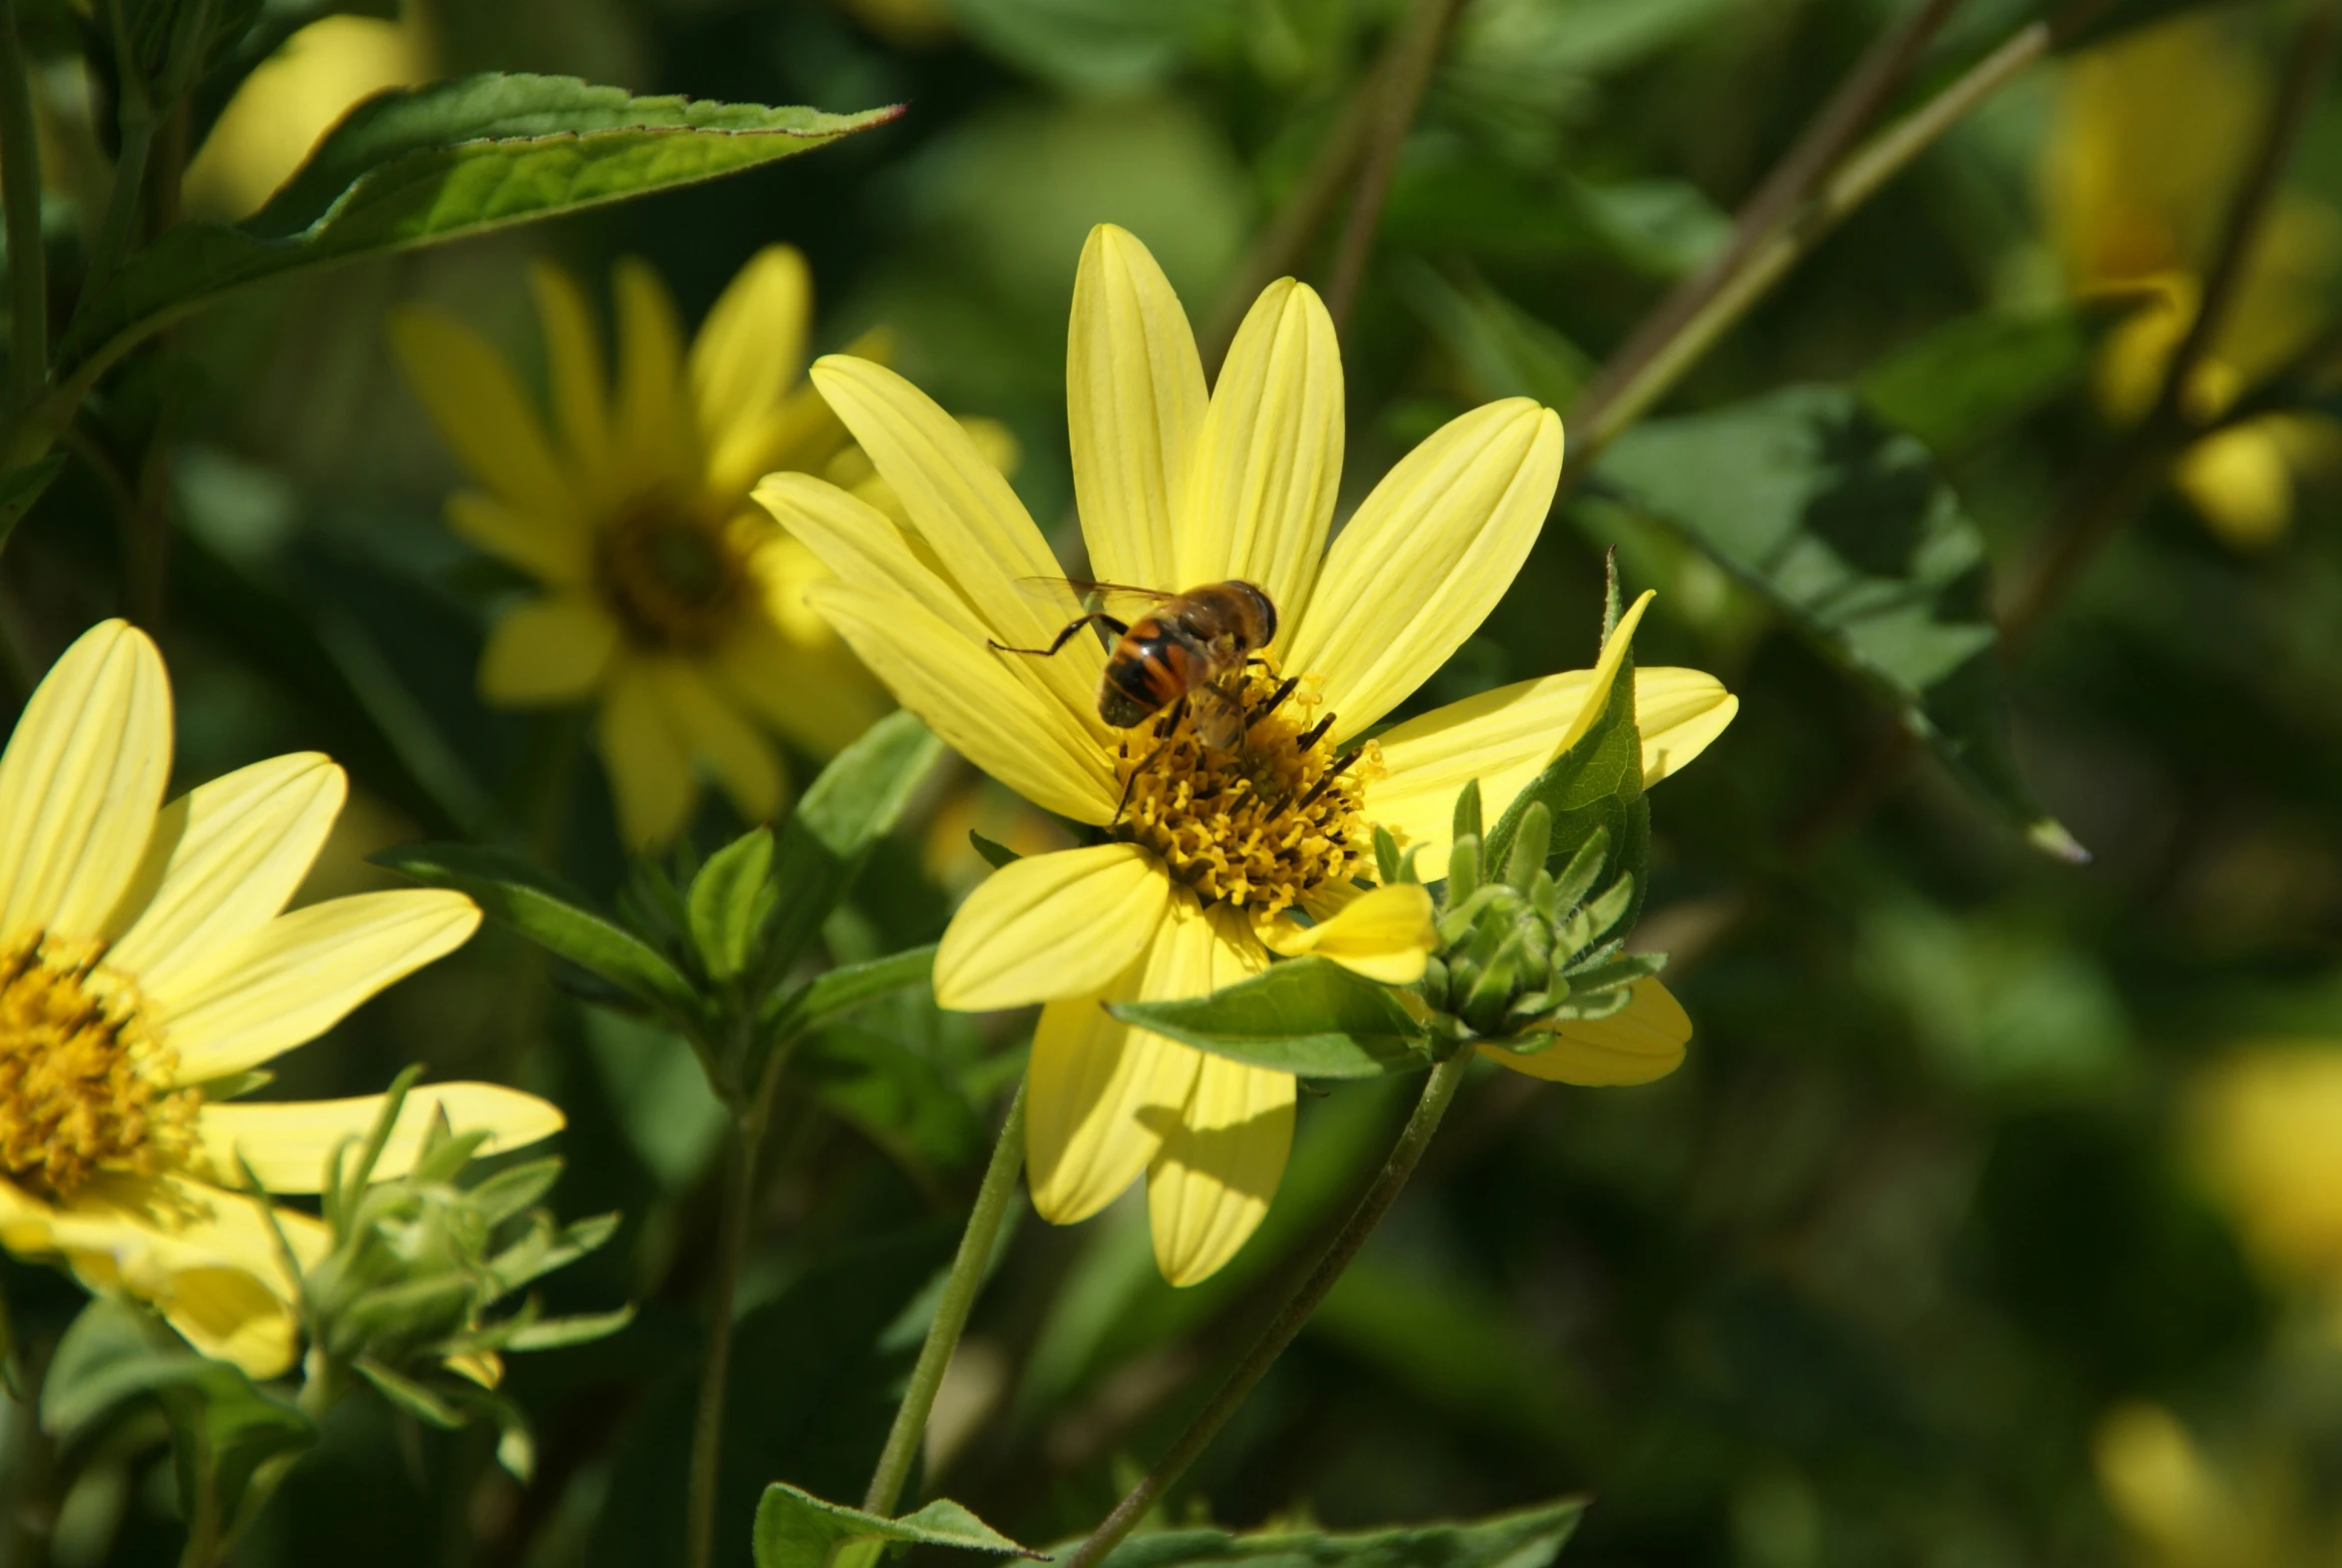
<point>853,803</point>
<point>223,1426</point>
<point>995,855</point>
<point>1846,527</point>
<point>546,911</point>
<point>1977,375</point>
<point>1594,787</point>
<point>1307,1015</point>
<point>409,1395</point>
<point>795,1529</point>
<point>1524,1538</point>
<point>430,164</point>
<point>556,1333</point>
<point>731,900</point>
<point>21,488</point>
<point>827,998</point>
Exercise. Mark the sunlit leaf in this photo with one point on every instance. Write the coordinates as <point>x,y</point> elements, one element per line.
<point>795,1529</point>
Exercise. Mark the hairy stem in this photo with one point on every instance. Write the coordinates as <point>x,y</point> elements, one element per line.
<point>2140,465</point>
<point>1438,1089</point>
<point>1398,95</point>
<point>20,188</point>
<point>951,1314</point>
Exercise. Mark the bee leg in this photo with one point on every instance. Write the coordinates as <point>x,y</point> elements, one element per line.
<point>1314,733</point>
<point>1062,638</point>
<point>1276,701</point>
<point>1325,779</point>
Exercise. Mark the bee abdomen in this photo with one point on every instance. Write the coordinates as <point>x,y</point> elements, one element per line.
<point>1145,675</point>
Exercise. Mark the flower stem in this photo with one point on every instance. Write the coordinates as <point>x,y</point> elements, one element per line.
<point>1399,92</point>
<point>707,1435</point>
<point>20,188</point>
<point>951,1314</point>
<point>1438,1089</point>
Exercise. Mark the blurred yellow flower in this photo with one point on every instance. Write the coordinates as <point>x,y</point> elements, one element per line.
<point>2183,1509</point>
<point>292,99</point>
<point>2269,1129</point>
<point>146,970</point>
<point>1209,849</point>
<point>669,598</point>
<point>2137,190</point>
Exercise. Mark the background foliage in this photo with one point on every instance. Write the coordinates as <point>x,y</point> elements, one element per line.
<point>1879,1276</point>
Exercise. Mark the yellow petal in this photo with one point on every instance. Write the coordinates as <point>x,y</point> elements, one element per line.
<point>222,861</point>
<point>556,551</point>
<point>1384,935</point>
<point>549,650</point>
<point>742,762</point>
<point>964,511</point>
<point>2238,479</point>
<point>289,1145</point>
<point>749,352</point>
<point>296,976</point>
<point>1505,737</point>
<point>1642,1042</point>
<point>1049,926</point>
<point>481,411</point>
<point>1101,1096</point>
<point>1267,461</point>
<point>1134,402</point>
<point>787,665</point>
<point>651,782</point>
<point>575,373</point>
<point>1426,557</point>
<point>80,782</point>
<point>971,698</point>
<point>657,437</point>
<point>205,1258</point>
<point>1211,1185</point>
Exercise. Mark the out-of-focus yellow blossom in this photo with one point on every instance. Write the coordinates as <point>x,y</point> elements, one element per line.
<point>292,99</point>
<point>1209,852</point>
<point>2154,133</point>
<point>999,813</point>
<point>2269,1129</point>
<point>2183,1509</point>
<point>147,968</point>
<point>670,600</point>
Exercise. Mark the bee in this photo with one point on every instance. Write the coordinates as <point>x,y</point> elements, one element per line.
<point>1179,652</point>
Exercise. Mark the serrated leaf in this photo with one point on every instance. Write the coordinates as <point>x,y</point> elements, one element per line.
<point>1307,1015</point>
<point>540,907</point>
<point>1524,1538</point>
<point>729,902</point>
<point>1846,528</point>
<point>795,1529</point>
<point>427,165</point>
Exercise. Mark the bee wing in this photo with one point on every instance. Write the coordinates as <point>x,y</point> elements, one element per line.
<point>1093,594</point>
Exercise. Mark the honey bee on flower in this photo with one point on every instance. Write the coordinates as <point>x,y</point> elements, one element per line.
<point>1213,859</point>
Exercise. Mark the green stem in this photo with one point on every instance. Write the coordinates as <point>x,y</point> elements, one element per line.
<point>1438,1089</point>
<point>951,1314</point>
<point>20,188</point>
<point>707,1436</point>
<point>1854,182</point>
<point>122,202</point>
<point>1399,96</point>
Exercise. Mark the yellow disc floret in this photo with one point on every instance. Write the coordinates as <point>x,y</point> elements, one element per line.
<point>1260,823</point>
<point>84,1081</point>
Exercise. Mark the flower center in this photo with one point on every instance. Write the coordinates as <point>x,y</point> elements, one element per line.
<point>673,576</point>
<point>1262,822</point>
<point>84,1081</point>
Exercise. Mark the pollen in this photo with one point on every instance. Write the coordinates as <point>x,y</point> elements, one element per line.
<point>84,1079</point>
<point>1260,823</point>
<point>674,575</point>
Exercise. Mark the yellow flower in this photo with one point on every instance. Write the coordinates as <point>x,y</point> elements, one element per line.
<point>2269,1131</point>
<point>146,968</point>
<point>1204,864</point>
<point>668,598</point>
<point>2136,196</point>
<point>2185,1508</point>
